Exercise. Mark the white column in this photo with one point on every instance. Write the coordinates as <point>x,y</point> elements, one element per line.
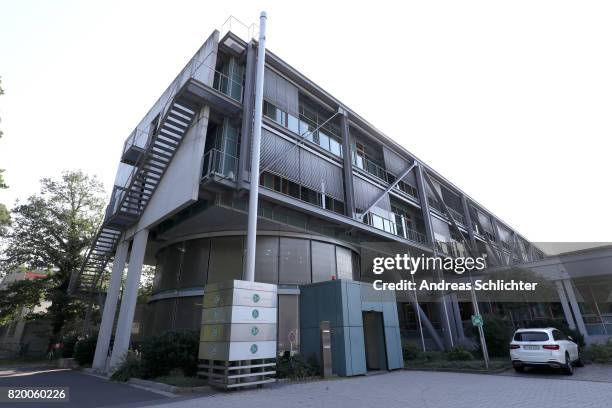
<point>571,297</point>
<point>565,305</point>
<point>110,307</point>
<point>129,297</point>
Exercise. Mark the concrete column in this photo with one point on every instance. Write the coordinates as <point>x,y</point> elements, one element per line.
<point>573,302</point>
<point>129,297</point>
<point>110,307</point>
<point>347,166</point>
<point>247,116</point>
<point>567,312</point>
<point>453,302</point>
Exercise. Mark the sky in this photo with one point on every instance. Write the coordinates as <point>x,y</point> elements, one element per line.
<point>510,101</point>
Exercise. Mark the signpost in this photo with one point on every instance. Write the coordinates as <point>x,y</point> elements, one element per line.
<point>477,320</point>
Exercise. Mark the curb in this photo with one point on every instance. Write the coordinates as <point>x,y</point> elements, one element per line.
<point>458,370</point>
<point>167,387</point>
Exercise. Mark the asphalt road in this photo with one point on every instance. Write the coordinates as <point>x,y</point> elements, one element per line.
<point>86,391</point>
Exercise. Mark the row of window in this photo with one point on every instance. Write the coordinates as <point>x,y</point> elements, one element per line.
<point>327,137</point>
<point>293,189</point>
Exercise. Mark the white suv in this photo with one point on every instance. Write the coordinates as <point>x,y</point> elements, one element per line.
<point>544,347</point>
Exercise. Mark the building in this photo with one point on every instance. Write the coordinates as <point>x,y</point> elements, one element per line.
<point>20,336</point>
<point>335,190</point>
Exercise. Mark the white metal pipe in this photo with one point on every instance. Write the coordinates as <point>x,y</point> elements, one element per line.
<point>249,274</point>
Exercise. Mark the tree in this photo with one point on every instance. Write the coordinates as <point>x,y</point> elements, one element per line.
<point>52,231</point>
<point>5,218</point>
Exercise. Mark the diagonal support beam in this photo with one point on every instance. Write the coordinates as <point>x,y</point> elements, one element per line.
<point>391,186</point>
<point>489,243</point>
<point>447,213</point>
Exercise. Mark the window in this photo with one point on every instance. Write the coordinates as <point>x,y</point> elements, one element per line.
<point>282,185</point>
<point>288,323</point>
<point>558,335</point>
<point>323,261</point>
<point>531,336</point>
<point>294,261</point>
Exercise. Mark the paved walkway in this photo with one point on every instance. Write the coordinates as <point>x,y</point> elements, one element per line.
<point>418,389</point>
<point>590,372</point>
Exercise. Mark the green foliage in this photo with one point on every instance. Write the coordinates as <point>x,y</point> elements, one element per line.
<point>84,350</point>
<point>296,367</point>
<point>599,353</point>
<point>411,351</point>
<point>170,350</point>
<point>560,325</point>
<point>52,230</point>
<point>68,343</point>
<point>26,293</point>
<point>459,353</point>
<point>130,367</point>
<point>498,334</point>
<point>5,215</point>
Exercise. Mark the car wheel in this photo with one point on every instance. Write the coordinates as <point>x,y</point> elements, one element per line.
<point>519,369</point>
<point>568,369</point>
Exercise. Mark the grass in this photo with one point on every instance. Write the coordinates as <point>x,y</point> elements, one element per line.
<point>181,381</point>
<point>471,365</point>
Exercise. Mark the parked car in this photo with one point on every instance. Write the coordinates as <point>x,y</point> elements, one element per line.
<point>544,347</point>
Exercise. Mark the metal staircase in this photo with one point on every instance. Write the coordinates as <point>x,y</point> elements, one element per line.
<point>128,202</point>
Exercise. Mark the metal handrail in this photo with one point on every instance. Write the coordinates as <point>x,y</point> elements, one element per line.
<point>215,162</point>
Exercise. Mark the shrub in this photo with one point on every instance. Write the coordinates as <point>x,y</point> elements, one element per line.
<point>68,342</point>
<point>129,368</point>
<point>170,350</point>
<point>433,355</point>
<point>459,353</point>
<point>411,351</point>
<point>84,350</point>
<point>599,353</point>
<point>296,367</point>
<point>498,334</point>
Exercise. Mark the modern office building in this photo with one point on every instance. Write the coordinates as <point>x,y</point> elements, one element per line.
<point>334,190</point>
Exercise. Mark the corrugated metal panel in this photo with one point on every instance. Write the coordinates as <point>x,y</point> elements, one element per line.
<point>280,92</point>
<point>314,171</point>
<point>366,193</point>
<point>396,165</point>
<point>279,156</point>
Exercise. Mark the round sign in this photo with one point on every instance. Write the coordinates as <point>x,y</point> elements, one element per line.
<point>253,348</point>
<point>214,332</point>
<point>254,330</point>
<point>217,299</point>
<point>213,350</point>
<point>292,337</point>
<point>256,298</point>
<point>255,313</point>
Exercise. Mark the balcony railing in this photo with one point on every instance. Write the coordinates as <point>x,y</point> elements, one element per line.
<point>399,228</point>
<point>218,163</point>
<point>453,249</point>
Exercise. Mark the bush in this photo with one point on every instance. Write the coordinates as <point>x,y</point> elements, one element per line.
<point>498,334</point>
<point>459,353</point>
<point>68,342</point>
<point>129,368</point>
<point>170,350</point>
<point>599,353</point>
<point>84,350</point>
<point>296,367</point>
<point>411,351</point>
<point>433,355</point>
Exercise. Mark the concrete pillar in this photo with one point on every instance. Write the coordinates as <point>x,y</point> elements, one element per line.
<point>573,302</point>
<point>453,303</point>
<point>347,165</point>
<point>247,116</point>
<point>129,297</point>
<point>110,307</point>
<point>567,312</point>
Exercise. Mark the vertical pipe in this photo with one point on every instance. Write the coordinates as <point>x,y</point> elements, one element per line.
<point>254,193</point>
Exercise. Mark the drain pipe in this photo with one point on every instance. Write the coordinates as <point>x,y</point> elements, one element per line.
<point>256,146</point>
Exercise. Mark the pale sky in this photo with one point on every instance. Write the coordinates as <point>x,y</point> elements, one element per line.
<point>511,101</point>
